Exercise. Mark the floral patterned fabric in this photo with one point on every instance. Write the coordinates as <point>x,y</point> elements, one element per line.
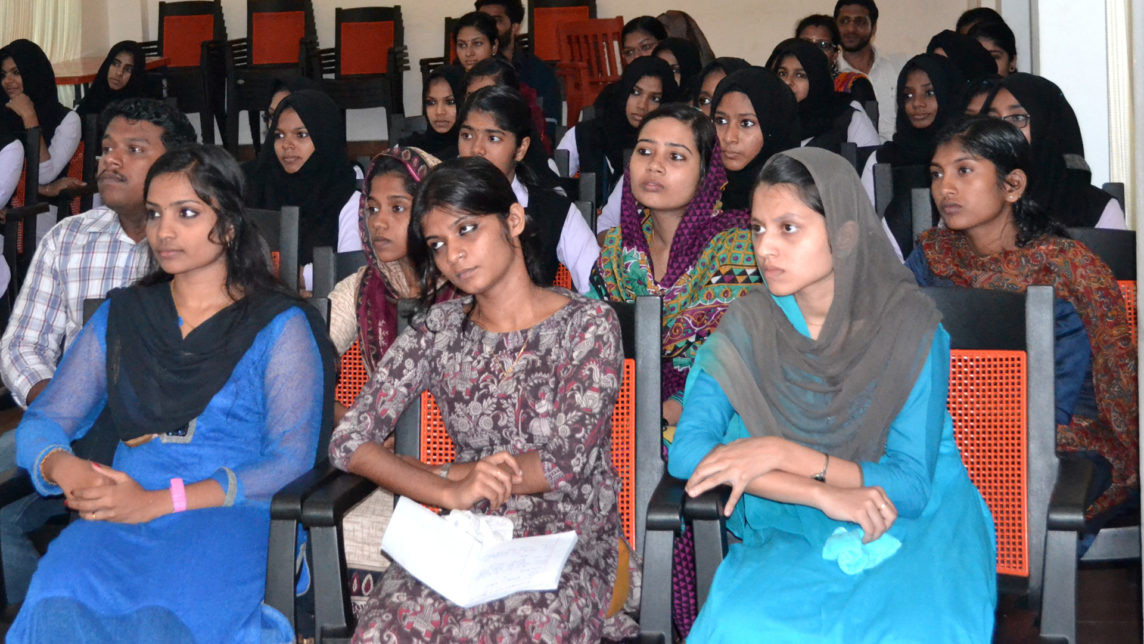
<point>692,304</point>
<point>548,389</point>
<point>1080,278</point>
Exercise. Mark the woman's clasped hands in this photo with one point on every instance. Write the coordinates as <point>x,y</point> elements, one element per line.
<point>99,493</point>
<point>741,462</point>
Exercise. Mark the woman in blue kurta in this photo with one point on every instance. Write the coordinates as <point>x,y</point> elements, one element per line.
<point>821,401</point>
<point>213,379</point>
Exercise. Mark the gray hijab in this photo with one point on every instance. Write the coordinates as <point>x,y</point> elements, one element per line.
<point>840,392</point>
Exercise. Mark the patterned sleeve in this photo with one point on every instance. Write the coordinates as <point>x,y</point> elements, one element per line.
<point>586,394</point>
<point>400,377</point>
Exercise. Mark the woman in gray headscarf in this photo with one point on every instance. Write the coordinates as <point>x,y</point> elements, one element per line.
<point>821,401</point>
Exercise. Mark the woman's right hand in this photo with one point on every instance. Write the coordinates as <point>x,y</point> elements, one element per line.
<point>869,507</point>
<point>72,473</point>
<point>490,478</point>
<point>23,106</point>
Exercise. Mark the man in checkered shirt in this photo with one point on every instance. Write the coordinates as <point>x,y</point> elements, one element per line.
<point>86,256</point>
<point>80,258</point>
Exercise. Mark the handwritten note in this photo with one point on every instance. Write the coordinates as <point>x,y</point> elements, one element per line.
<point>465,570</point>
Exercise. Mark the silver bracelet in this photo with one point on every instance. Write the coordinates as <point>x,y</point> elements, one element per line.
<point>445,470</point>
<point>821,476</point>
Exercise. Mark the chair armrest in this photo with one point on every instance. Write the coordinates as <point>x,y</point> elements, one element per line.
<point>665,509</point>
<point>15,484</point>
<point>707,506</point>
<point>1067,504</point>
<point>328,504</point>
<point>23,212</point>
<point>287,502</point>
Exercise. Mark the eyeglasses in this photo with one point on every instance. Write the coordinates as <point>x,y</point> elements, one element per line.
<point>1020,121</point>
<point>825,45</point>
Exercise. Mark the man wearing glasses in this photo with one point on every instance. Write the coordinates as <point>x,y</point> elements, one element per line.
<point>857,23</point>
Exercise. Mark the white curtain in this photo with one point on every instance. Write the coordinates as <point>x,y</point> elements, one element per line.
<point>54,25</point>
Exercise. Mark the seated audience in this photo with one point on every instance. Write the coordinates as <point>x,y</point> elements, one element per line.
<point>827,118</point>
<point>598,145</point>
<point>639,37</point>
<point>441,94</point>
<point>83,257</point>
<point>283,88</point>
<point>30,95</point>
<point>857,22</point>
<point>303,163</point>
<point>929,96</point>
<point>678,24</point>
<point>968,55</point>
<point>683,57</point>
<point>996,236</point>
<point>673,242</point>
<point>498,71</point>
<point>709,79</point>
<point>120,76</point>
<point>475,38</point>
<point>211,382</point>
<point>821,401</point>
<point>756,117</point>
<point>533,72</point>
<point>970,18</point>
<point>363,306</point>
<point>998,39</point>
<point>1060,179</point>
<point>495,125</point>
<point>542,367</point>
<point>822,31</point>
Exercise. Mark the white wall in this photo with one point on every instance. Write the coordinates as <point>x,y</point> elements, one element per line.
<point>1071,50</point>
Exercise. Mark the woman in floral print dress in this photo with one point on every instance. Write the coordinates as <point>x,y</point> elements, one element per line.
<point>526,378</point>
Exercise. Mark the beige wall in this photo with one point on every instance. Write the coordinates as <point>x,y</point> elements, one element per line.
<point>744,28</point>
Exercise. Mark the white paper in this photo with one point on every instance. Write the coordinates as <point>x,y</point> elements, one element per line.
<point>465,570</point>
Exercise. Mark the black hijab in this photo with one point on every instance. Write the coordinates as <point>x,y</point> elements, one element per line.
<point>967,55</point>
<point>1053,133</point>
<point>100,93</point>
<point>159,381</point>
<point>687,56</point>
<point>608,134</point>
<point>441,145</point>
<point>39,85</point>
<point>913,146</point>
<point>823,106</point>
<point>777,111</point>
<point>321,187</point>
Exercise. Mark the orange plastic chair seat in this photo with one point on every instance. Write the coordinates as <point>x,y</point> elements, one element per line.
<point>365,47</point>
<point>563,278</point>
<point>275,37</point>
<point>437,448</point>
<point>987,400</point>
<point>183,38</point>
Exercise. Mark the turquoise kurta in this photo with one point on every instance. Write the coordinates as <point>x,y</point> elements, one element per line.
<point>194,576</point>
<point>775,586</point>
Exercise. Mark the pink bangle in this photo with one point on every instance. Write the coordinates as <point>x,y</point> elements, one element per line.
<point>178,495</point>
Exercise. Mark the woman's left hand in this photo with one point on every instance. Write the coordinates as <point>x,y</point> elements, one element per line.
<point>737,464</point>
<point>124,501</point>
